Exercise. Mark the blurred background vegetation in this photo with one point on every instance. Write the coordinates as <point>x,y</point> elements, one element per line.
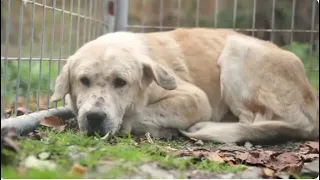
<point>54,35</point>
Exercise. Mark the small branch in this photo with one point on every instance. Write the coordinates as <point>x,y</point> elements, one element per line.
<point>29,122</point>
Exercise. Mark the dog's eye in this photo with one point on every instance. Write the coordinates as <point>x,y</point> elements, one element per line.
<point>85,81</point>
<point>118,82</point>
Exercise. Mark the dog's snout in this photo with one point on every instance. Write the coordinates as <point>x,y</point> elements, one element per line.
<point>95,117</point>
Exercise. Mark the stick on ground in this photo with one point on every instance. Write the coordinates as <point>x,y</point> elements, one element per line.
<point>29,122</point>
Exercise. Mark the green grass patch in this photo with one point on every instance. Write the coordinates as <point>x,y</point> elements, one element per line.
<point>124,155</point>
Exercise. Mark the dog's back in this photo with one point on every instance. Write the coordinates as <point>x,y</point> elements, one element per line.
<point>193,55</point>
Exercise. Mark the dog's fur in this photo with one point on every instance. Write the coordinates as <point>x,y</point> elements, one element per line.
<point>192,80</point>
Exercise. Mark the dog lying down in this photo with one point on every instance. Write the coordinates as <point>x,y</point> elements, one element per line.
<point>190,80</point>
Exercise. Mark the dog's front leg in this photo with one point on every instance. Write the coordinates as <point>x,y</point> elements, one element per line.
<point>177,109</point>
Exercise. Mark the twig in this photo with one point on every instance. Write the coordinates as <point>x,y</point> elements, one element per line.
<point>149,139</point>
<point>29,122</point>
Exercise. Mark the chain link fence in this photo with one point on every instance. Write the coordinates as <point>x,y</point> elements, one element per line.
<point>38,35</point>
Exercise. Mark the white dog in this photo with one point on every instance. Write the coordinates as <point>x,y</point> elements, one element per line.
<point>190,80</point>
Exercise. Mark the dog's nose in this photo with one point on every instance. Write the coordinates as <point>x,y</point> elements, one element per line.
<point>95,117</point>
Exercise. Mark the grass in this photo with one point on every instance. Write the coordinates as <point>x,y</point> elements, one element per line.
<point>124,155</point>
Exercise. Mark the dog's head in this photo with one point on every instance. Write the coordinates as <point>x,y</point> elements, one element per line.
<point>107,78</point>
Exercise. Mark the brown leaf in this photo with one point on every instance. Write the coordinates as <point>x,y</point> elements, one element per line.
<point>293,168</point>
<point>22,110</point>
<point>230,160</point>
<point>195,152</point>
<point>243,156</point>
<point>215,157</point>
<point>277,161</point>
<point>59,128</point>
<point>53,122</point>
<point>304,150</point>
<point>314,146</point>
<point>309,147</point>
<point>281,175</point>
<point>288,161</point>
<point>268,173</point>
<point>232,148</point>
<point>310,157</point>
<point>78,169</point>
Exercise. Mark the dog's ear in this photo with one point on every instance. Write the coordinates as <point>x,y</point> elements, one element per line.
<point>152,71</point>
<point>62,86</point>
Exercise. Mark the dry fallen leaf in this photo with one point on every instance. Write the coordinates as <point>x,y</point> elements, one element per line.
<point>230,160</point>
<point>309,157</point>
<point>281,175</point>
<point>59,128</point>
<point>293,168</point>
<point>78,169</point>
<point>197,152</point>
<point>309,147</point>
<point>242,156</point>
<point>287,161</point>
<point>268,173</point>
<point>314,146</point>
<point>273,161</point>
<point>215,157</point>
<point>20,111</point>
<point>53,122</point>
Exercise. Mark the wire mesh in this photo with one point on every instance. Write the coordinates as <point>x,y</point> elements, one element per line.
<point>291,24</point>
<point>38,35</point>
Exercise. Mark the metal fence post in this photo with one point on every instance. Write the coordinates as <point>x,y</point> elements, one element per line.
<point>115,15</point>
<point>121,15</point>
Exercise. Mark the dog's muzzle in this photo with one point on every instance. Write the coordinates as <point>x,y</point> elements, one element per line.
<point>96,119</point>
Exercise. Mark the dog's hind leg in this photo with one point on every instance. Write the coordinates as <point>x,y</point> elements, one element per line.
<point>267,89</point>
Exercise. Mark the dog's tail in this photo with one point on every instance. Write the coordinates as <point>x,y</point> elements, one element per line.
<point>266,132</point>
